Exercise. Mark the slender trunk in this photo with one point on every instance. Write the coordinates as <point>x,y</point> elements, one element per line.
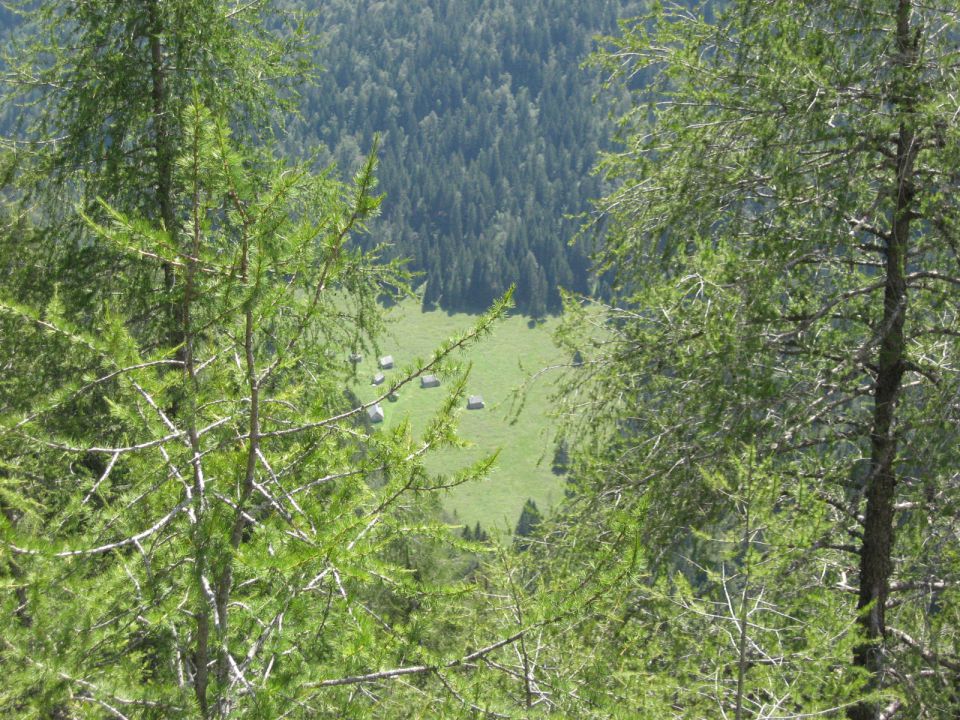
<point>205,606</point>
<point>876,552</point>
<point>164,158</point>
<point>744,613</point>
<point>177,332</point>
<point>240,523</point>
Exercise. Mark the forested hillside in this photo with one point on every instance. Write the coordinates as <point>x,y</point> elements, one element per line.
<point>489,135</point>
<point>211,503</point>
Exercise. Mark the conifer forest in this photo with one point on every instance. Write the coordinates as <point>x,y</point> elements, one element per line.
<point>740,221</point>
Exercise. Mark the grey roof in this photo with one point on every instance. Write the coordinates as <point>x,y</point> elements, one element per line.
<point>355,357</point>
<point>375,413</point>
<point>378,379</point>
<point>386,362</point>
<point>429,381</point>
<point>474,402</point>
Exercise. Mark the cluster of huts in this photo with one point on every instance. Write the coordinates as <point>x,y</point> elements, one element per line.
<point>375,412</point>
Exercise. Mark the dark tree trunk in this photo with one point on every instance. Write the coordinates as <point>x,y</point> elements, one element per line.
<point>876,552</point>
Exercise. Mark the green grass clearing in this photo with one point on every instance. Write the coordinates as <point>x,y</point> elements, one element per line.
<point>502,364</point>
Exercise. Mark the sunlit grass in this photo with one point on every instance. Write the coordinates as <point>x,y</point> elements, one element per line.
<point>517,419</point>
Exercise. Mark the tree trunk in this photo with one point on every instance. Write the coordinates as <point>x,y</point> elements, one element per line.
<point>876,552</point>
<point>164,158</point>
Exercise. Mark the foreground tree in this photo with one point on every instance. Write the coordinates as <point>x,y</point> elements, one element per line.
<point>228,558</point>
<point>784,239</point>
<point>98,90</point>
<point>196,522</point>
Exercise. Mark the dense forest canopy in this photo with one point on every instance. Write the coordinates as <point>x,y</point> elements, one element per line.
<point>489,135</point>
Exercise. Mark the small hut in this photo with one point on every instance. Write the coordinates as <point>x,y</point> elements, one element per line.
<point>378,379</point>
<point>429,381</point>
<point>355,357</point>
<point>386,362</point>
<point>375,413</point>
<point>475,402</point>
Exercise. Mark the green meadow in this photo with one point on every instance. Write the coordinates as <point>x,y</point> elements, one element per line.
<point>510,369</point>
